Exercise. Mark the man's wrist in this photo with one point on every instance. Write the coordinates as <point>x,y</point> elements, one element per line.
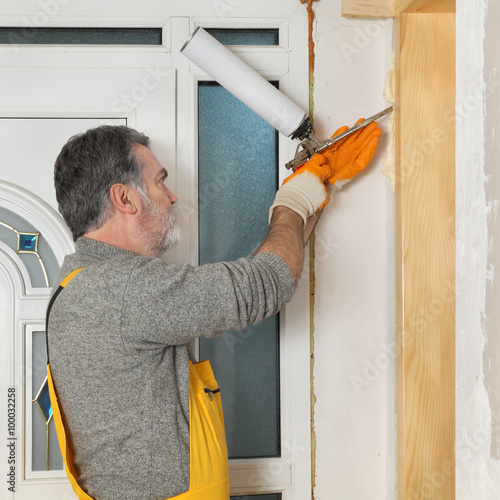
<point>282,211</point>
<point>304,194</point>
<point>293,201</point>
<point>285,238</point>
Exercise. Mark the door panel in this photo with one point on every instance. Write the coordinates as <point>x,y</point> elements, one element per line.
<point>50,93</point>
<point>41,108</point>
<point>22,311</point>
<point>30,146</point>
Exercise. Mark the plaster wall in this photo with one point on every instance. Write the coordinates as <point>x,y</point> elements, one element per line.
<point>354,313</point>
<point>478,252</point>
<point>491,357</point>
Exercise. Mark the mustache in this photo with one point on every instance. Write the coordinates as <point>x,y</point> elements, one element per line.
<point>173,213</point>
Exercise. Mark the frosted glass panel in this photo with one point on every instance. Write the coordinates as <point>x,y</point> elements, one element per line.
<point>245,36</point>
<point>246,366</point>
<point>237,175</point>
<point>46,454</point>
<point>273,496</point>
<point>237,183</point>
<point>81,36</point>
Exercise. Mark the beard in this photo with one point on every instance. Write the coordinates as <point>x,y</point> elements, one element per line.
<point>158,227</point>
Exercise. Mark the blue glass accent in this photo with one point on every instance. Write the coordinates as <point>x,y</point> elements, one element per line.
<point>45,451</point>
<point>26,249</point>
<point>27,242</point>
<point>43,401</point>
<point>237,174</point>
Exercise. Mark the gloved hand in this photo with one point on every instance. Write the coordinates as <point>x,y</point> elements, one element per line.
<point>305,190</point>
<point>349,156</point>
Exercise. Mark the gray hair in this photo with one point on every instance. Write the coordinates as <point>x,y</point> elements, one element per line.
<point>86,168</point>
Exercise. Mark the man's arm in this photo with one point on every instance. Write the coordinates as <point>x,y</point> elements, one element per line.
<point>285,238</point>
<point>303,194</point>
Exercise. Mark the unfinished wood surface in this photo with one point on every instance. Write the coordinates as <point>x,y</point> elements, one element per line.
<point>425,254</point>
<point>374,8</point>
<point>430,6</point>
<point>368,8</point>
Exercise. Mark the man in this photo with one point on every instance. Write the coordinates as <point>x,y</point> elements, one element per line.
<point>142,419</point>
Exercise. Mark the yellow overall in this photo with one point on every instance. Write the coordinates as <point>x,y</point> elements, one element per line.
<point>209,478</point>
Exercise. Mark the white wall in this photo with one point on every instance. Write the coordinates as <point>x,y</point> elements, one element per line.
<point>354,376</point>
<point>354,371</point>
<point>477,233</point>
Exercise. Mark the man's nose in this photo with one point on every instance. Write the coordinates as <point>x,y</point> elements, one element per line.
<point>171,197</point>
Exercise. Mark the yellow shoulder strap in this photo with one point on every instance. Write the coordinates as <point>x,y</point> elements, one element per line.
<point>60,288</point>
<point>58,419</point>
<point>64,445</point>
<point>70,276</point>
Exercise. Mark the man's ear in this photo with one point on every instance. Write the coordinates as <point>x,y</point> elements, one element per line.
<point>124,199</point>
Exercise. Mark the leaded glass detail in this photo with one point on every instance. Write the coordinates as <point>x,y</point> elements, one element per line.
<point>45,451</point>
<point>25,240</point>
<point>28,243</point>
<point>42,400</point>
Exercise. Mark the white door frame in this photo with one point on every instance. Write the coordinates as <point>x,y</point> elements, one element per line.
<point>288,62</point>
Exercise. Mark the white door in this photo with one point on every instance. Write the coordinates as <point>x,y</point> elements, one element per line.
<point>48,93</point>
<point>42,106</point>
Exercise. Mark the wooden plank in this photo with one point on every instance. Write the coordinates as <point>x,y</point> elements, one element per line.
<point>368,8</point>
<point>403,5</point>
<point>429,6</point>
<point>425,254</point>
<point>377,8</point>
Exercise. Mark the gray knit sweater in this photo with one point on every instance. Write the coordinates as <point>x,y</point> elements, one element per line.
<point>118,345</point>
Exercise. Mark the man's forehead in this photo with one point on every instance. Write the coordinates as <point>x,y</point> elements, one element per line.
<point>150,164</point>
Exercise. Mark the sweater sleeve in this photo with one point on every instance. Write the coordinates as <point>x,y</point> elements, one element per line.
<point>170,305</point>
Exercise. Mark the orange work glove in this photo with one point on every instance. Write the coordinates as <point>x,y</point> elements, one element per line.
<point>305,190</point>
<point>349,156</point>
